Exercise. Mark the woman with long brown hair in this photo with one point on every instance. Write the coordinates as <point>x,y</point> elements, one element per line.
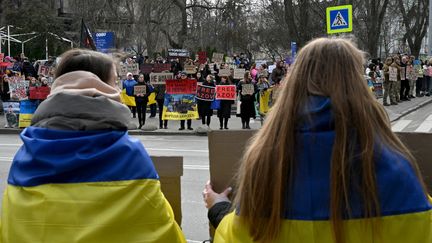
<point>326,166</point>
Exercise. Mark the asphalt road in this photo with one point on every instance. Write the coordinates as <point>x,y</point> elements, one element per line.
<point>417,121</point>
<point>194,150</point>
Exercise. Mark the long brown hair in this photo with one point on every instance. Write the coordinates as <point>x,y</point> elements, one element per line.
<point>326,67</point>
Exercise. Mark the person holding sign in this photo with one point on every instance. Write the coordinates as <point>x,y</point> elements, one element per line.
<point>390,79</point>
<point>326,166</point>
<point>183,76</point>
<point>204,104</point>
<point>247,91</point>
<point>396,66</point>
<point>224,112</point>
<point>128,86</point>
<point>141,93</point>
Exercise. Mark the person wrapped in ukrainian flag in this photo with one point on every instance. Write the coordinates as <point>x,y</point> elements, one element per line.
<point>79,176</point>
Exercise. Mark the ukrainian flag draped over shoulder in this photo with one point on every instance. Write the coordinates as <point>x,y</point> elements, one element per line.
<point>406,214</point>
<point>86,187</point>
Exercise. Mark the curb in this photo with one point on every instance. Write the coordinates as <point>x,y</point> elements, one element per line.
<point>16,131</point>
<point>412,109</point>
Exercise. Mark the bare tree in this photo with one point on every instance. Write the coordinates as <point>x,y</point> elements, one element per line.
<point>415,16</point>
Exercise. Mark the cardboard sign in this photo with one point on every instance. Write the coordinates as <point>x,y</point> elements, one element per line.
<point>248,89</point>
<point>140,89</point>
<point>190,69</point>
<point>1,57</point>
<point>161,67</point>
<point>403,73</point>
<point>226,92</point>
<point>129,68</point>
<point>206,93</point>
<point>44,70</point>
<point>217,57</point>
<point>378,90</point>
<point>393,73</point>
<point>179,106</point>
<point>146,68</point>
<point>11,112</point>
<point>239,73</point>
<point>178,53</point>
<point>159,78</point>
<point>18,88</point>
<point>411,73</point>
<point>179,86</point>
<point>39,93</point>
<point>202,57</point>
<point>225,72</point>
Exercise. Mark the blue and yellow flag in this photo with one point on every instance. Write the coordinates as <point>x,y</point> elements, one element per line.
<point>87,187</point>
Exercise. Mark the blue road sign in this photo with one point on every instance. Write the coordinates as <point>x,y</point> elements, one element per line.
<point>104,41</point>
<point>339,19</point>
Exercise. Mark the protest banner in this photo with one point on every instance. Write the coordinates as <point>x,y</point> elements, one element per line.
<point>44,70</point>
<point>206,93</point>
<point>140,90</point>
<point>27,109</point>
<point>146,68</point>
<point>181,86</point>
<point>11,111</point>
<point>217,57</point>
<point>18,88</point>
<point>178,53</point>
<point>226,92</point>
<point>403,73</point>
<point>161,67</point>
<point>159,78</point>
<point>264,102</point>
<point>39,93</point>
<point>411,73</point>
<point>190,69</point>
<point>248,89</point>
<point>129,68</point>
<point>225,72</point>
<point>1,57</point>
<point>180,107</point>
<point>393,73</point>
<point>239,73</point>
<point>202,57</point>
<point>378,90</point>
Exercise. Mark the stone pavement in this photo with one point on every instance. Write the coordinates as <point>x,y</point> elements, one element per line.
<point>151,127</point>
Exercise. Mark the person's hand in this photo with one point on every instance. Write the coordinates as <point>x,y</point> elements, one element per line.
<point>211,197</point>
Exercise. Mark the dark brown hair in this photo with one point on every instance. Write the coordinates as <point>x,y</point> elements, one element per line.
<point>85,60</point>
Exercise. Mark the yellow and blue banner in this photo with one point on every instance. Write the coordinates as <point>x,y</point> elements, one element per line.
<point>87,187</point>
<point>27,109</point>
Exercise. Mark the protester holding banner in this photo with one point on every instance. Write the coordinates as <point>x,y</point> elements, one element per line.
<point>128,85</point>
<point>396,64</point>
<point>389,84</point>
<point>141,94</point>
<point>183,76</point>
<point>247,90</point>
<point>84,179</point>
<point>160,98</point>
<point>224,111</point>
<point>326,166</point>
<point>204,105</point>
<point>263,94</point>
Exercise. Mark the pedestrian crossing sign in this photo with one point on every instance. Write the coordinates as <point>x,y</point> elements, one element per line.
<point>339,19</point>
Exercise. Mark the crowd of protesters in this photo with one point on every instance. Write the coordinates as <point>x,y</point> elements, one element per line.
<point>411,78</point>
<point>263,77</point>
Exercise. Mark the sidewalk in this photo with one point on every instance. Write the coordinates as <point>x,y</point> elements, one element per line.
<point>151,127</point>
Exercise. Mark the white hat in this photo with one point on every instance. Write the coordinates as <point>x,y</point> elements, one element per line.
<point>129,74</point>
